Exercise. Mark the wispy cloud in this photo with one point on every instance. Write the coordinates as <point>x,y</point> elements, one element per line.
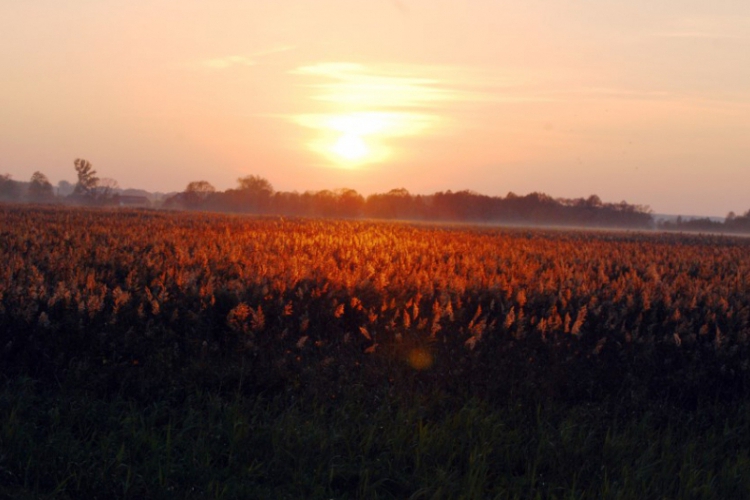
<point>357,84</point>
<point>369,105</point>
<point>227,62</point>
<point>384,124</point>
<point>413,86</point>
<point>621,93</point>
<point>274,50</point>
<point>360,113</point>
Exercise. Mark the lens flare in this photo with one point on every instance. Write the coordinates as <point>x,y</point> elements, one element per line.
<point>420,359</point>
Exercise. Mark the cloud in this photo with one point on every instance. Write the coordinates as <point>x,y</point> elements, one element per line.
<point>412,86</point>
<point>370,105</point>
<point>374,105</point>
<point>406,97</point>
<point>274,50</point>
<point>384,124</point>
<point>227,61</point>
<point>357,84</point>
<point>622,93</point>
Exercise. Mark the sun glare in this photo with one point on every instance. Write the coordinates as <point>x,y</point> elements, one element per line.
<point>355,139</point>
<point>383,104</point>
<point>351,147</point>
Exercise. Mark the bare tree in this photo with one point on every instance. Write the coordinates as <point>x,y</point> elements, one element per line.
<point>107,189</point>
<point>87,179</point>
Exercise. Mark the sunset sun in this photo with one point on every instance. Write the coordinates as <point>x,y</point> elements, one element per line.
<point>351,147</point>
<point>359,138</point>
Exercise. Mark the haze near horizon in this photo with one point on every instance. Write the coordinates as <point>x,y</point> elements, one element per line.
<point>636,101</point>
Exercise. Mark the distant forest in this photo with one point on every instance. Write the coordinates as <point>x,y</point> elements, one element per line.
<point>255,195</point>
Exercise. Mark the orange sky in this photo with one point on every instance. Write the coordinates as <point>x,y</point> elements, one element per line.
<point>628,100</point>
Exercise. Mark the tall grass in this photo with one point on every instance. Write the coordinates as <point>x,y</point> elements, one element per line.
<point>196,356</point>
<point>68,445</point>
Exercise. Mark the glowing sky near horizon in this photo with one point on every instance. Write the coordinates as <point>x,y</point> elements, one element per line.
<point>642,101</point>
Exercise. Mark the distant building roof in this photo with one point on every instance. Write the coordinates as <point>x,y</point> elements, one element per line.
<point>134,201</point>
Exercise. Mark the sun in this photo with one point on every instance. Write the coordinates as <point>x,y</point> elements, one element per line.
<point>353,140</point>
<point>351,147</point>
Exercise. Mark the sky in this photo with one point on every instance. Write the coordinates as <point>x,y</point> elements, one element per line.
<point>642,101</point>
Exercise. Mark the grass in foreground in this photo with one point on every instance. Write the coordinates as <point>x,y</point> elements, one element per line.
<point>365,445</point>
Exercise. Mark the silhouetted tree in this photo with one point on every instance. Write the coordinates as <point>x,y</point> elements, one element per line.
<point>196,193</point>
<point>9,189</point>
<point>87,179</point>
<point>350,203</point>
<point>462,205</point>
<point>255,184</point>
<point>287,203</point>
<point>593,201</point>
<point>253,194</point>
<point>395,204</point>
<point>65,188</point>
<point>40,188</point>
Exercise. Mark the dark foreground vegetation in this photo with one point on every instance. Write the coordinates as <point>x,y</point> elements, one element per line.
<point>153,355</point>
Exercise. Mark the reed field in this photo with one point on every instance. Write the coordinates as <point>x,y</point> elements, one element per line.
<point>151,354</point>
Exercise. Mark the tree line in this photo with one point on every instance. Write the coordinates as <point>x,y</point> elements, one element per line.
<point>733,223</point>
<point>88,190</point>
<point>255,195</point>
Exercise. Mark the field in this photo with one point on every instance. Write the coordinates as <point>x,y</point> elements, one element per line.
<point>171,355</point>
